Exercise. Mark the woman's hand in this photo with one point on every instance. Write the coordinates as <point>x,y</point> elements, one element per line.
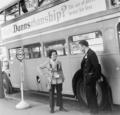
<point>40,71</point>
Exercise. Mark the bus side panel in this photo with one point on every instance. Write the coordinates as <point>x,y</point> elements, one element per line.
<point>111,59</point>
<point>110,64</point>
<point>67,85</point>
<point>15,73</point>
<point>31,72</point>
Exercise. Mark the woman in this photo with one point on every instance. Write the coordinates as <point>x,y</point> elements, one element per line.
<point>55,78</point>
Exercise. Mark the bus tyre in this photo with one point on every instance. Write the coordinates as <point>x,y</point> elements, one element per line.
<point>7,83</point>
<point>81,95</point>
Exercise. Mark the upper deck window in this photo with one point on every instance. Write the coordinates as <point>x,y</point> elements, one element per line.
<point>24,6</point>
<point>94,39</point>
<point>115,2</point>
<point>28,5</point>
<point>12,12</point>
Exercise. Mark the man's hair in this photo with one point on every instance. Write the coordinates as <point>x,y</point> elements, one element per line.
<point>50,52</point>
<point>84,42</point>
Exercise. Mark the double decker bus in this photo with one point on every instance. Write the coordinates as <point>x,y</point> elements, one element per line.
<point>40,25</point>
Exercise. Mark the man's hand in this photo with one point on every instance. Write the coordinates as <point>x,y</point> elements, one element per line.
<point>100,80</point>
<point>63,79</point>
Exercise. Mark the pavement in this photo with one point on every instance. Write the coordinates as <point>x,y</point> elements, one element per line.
<point>39,105</point>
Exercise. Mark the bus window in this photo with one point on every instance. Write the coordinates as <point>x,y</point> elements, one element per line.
<point>59,45</point>
<point>32,51</point>
<point>94,39</point>
<point>12,53</point>
<point>118,30</point>
<point>115,2</point>
<point>12,12</point>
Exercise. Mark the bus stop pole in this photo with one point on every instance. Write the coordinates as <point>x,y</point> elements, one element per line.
<point>2,95</point>
<point>22,104</point>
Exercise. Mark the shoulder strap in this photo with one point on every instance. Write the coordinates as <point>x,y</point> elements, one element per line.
<point>50,64</point>
<point>59,66</point>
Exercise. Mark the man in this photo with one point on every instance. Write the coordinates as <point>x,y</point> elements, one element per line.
<point>90,69</point>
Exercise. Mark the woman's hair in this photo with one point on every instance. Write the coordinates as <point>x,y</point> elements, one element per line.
<point>84,42</point>
<point>50,52</point>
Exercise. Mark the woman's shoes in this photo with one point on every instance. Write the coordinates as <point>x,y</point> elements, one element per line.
<point>60,109</point>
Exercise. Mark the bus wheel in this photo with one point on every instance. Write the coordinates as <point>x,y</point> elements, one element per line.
<point>81,95</point>
<point>7,83</point>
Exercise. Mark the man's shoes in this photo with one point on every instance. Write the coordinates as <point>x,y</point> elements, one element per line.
<point>52,111</point>
<point>94,112</point>
<point>62,109</point>
<point>107,109</point>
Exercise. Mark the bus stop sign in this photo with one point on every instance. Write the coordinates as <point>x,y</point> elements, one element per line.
<point>20,54</point>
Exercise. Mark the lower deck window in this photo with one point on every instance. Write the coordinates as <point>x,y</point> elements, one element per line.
<point>59,46</point>
<point>94,39</point>
<point>31,51</point>
<point>12,53</point>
